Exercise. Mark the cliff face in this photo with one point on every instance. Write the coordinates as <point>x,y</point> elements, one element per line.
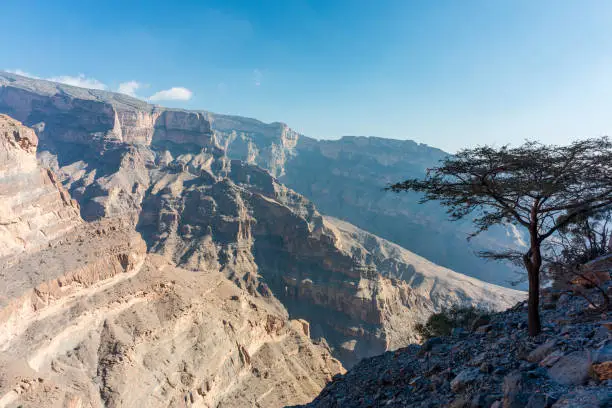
<point>205,216</point>
<point>88,318</point>
<point>345,178</point>
<point>34,206</point>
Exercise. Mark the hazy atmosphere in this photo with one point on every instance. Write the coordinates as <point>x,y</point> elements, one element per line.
<point>445,73</point>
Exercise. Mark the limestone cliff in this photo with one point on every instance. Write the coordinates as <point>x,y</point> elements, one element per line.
<point>170,174</point>
<point>34,206</point>
<point>105,325</point>
<point>89,319</point>
<point>345,178</point>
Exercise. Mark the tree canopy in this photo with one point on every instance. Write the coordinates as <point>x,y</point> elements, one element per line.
<point>541,188</point>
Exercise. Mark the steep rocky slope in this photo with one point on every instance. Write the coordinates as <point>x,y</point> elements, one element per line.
<point>359,292</point>
<point>89,319</point>
<point>34,206</point>
<point>143,332</point>
<point>167,172</point>
<point>496,365</point>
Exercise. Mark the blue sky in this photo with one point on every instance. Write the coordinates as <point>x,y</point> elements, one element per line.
<point>446,73</point>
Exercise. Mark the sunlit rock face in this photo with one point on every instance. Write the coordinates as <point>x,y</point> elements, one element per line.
<point>88,318</point>
<point>34,206</point>
<point>192,265</point>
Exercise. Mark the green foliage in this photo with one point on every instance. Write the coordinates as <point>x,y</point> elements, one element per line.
<point>442,323</point>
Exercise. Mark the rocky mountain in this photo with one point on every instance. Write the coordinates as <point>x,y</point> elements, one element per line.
<point>203,266</point>
<point>495,364</point>
<point>89,319</point>
<point>345,178</point>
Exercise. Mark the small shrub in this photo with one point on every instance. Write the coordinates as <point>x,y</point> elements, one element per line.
<point>442,323</point>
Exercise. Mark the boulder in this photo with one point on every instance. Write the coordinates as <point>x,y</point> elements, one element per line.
<point>598,398</point>
<point>480,321</point>
<point>464,378</point>
<point>572,369</point>
<point>541,351</point>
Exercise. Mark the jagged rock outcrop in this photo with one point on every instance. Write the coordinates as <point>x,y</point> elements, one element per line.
<point>34,206</point>
<point>496,365</point>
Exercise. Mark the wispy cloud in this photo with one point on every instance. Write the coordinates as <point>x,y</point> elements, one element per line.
<point>22,73</point>
<point>129,88</point>
<point>80,80</point>
<point>257,77</point>
<point>172,94</point>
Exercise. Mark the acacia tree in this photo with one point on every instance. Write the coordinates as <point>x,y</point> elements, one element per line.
<point>538,187</point>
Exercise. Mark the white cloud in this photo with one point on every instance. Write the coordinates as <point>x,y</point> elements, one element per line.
<point>516,234</point>
<point>129,88</point>
<point>172,94</point>
<point>22,73</point>
<point>80,80</point>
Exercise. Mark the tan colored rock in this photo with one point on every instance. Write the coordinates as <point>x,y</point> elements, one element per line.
<point>34,207</point>
<point>603,371</point>
<point>157,337</point>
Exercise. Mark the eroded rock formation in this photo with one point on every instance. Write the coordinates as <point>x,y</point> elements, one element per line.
<point>88,319</point>
<point>34,206</point>
<point>233,255</point>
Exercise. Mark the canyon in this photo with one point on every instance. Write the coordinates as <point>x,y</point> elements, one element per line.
<point>163,257</point>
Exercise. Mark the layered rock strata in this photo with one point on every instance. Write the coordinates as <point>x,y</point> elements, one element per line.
<point>169,173</point>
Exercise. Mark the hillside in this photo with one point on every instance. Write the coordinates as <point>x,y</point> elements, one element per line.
<point>493,365</point>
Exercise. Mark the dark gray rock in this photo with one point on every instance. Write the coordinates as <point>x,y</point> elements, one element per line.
<point>542,351</point>
<point>464,378</point>
<point>572,369</point>
<point>540,401</point>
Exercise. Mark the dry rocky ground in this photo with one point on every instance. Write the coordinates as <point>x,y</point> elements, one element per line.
<point>495,365</point>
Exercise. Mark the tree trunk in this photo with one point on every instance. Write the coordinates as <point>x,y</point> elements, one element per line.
<point>533,302</point>
<point>533,262</point>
